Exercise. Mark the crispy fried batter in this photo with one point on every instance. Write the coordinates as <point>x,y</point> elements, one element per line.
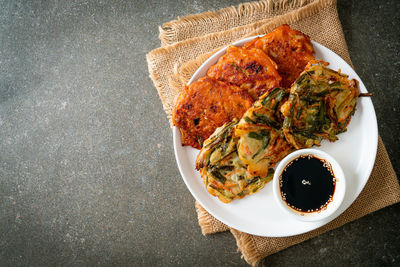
<point>224,174</point>
<point>237,159</point>
<point>320,106</point>
<point>205,105</point>
<point>250,69</point>
<point>261,141</point>
<point>290,49</point>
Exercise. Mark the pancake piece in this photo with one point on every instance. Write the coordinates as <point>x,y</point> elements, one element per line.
<point>237,159</point>
<point>250,69</point>
<point>266,110</point>
<point>224,174</point>
<point>320,106</point>
<point>290,49</point>
<point>261,142</point>
<point>205,105</point>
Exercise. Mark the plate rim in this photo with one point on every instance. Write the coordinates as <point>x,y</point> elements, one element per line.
<point>176,142</point>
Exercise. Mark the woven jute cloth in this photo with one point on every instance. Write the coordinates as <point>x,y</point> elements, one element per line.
<point>187,42</point>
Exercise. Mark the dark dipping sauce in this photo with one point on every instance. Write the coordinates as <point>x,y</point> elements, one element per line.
<point>307,183</point>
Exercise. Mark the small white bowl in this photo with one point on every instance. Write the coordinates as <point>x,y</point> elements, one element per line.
<point>338,195</point>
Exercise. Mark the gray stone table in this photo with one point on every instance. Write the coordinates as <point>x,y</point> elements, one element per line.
<point>87,170</point>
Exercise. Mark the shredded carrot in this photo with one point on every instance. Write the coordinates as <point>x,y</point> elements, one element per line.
<point>248,151</point>
<point>347,108</point>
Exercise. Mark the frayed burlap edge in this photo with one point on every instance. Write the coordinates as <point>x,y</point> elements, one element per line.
<point>230,16</point>
<point>208,224</point>
<point>247,246</point>
<point>204,219</point>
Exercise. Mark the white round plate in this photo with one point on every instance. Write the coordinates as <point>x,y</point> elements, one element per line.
<point>259,214</point>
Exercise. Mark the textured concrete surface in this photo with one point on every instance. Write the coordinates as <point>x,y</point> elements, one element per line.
<point>87,171</point>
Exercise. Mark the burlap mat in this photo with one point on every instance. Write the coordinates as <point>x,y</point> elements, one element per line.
<point>188,41</point>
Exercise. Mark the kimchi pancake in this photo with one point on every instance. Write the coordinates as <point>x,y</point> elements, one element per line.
<point>250,69</point>
<point>290,49</point>
<point>205,105</point>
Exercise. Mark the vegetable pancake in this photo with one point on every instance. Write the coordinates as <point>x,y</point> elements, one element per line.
<point>261,141</point>
<point>320,106</point>
<point>250,69</point>
<point>205,105</point>
<point>237,159</point>
<point>290,49</point>
<point>223,173</point>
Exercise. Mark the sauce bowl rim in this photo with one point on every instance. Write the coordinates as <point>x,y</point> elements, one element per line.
<point>338,196</point>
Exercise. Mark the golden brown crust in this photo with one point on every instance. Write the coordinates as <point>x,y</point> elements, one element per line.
<point>205,105</point>
<point>290,49</point>
<point>224,174</point>
<point>250,69</point>
<point>320,106</point>
<point>261,142</point>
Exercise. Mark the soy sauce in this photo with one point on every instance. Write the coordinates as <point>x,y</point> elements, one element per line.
<point>307,183</point>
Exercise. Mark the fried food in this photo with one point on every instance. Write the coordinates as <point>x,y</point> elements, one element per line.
<point>261,141</point>
<point>290,49</point>
<point>205,105</point>
<point>320,106</point>
<point>208,104</point>
<point>237,159</point>
<point>250,69</point>
<point>223,173</point>
<point>244,141</point>
<point>267,109</point>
